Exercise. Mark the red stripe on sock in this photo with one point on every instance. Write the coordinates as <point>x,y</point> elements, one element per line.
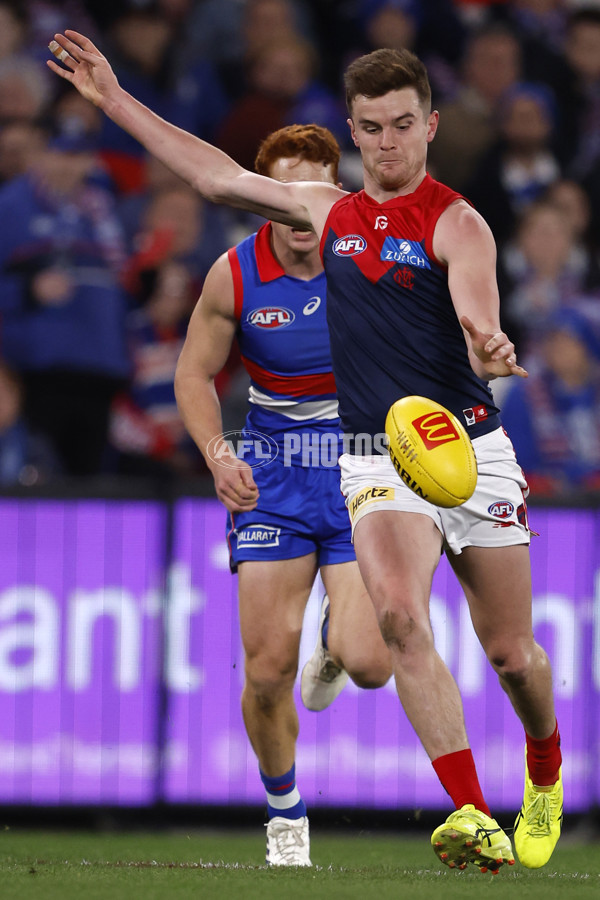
<point>282,787</point>
<point>544,758</point>
<point>458,776</point>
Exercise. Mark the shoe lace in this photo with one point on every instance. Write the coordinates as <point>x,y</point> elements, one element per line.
<point>539,816</point>
<point>288,839</point>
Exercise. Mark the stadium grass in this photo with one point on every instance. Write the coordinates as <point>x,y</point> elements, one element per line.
<point>224,864</point>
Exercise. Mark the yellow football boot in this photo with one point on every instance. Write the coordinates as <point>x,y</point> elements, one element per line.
<point>470,836</point>
<point>538,825</point>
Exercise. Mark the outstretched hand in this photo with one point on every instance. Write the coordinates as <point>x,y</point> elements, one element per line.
<point>85,67</point>
<point>495,351</point>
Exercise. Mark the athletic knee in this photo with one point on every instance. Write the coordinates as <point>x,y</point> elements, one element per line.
<point>269,680</point>
<point>514,661</point>
<point>403,633</point>
<point>370,674</point>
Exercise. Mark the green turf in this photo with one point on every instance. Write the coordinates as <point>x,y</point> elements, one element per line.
<point>65,865</point>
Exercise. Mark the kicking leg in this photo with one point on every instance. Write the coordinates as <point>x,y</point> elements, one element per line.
<point>398,553</point>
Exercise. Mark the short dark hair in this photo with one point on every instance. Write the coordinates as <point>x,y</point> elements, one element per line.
<point>310,142</point>
<point>385,70</point>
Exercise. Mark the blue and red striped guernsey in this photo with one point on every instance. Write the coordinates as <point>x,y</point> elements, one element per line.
<point>283,340</point>
<point>392,325</point>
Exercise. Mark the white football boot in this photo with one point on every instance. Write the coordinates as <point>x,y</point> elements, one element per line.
<point>288,843</point>
<point>322,679</point>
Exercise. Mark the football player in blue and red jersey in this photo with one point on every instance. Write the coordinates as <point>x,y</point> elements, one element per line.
<point>412,308</point>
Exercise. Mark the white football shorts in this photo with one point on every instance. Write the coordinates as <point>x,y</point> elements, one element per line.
<point>495,516</point>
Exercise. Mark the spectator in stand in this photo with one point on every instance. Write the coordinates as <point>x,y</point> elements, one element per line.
<point>20,143</point>
<point>520,166</point>
<point>143,42</point>
<point>61,302</point>
<point>26,457</point>
<point>227,32</point>
<point>13,28</point>
<point>553,417</point>
<point>147,433</point>
<point>24,91</point>
<point>574,204</point>
<point>431,29</point>
<point>282,89</point>
<point>178,218</point>
<point>545,268</point>
<point>579,92</point>
<point>468,124</point>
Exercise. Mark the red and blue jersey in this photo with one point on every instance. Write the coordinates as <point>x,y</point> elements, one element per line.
<point>393,328</point>
<point>284,343</point>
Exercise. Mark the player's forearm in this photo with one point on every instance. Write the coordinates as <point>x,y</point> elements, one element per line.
<point>200,409</point>
<point>204,167</point>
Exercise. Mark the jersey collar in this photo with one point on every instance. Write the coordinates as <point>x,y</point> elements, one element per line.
<point>268,267</point>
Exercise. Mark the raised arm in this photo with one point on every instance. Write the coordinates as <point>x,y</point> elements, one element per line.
<point>464,242</point>
<point>205,352</point>
<point>206,168</point>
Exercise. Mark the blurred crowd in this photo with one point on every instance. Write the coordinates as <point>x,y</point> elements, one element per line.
<point>103,251</point>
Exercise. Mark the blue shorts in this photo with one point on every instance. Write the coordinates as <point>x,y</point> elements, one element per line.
<point>300,511</point>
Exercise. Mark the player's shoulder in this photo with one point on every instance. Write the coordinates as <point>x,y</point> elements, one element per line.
<point>218,289</point>
<point>460,216</point>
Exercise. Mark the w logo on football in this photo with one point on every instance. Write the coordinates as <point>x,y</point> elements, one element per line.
<point>435,429</point>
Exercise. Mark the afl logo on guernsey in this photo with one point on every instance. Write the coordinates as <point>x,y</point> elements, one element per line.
<point>270,317</point>
<point>349,245</point>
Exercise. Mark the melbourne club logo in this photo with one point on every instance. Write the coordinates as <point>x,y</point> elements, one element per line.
<point>405,277</point>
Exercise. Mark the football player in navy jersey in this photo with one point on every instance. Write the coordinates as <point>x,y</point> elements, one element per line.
<point>287,518</point>
<point>412,308</point>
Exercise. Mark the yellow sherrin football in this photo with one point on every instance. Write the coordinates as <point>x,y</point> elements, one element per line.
<point>431,451</point>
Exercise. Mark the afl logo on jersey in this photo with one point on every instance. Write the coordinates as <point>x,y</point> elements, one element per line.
<point>270,317</point>
<point>349,245</point>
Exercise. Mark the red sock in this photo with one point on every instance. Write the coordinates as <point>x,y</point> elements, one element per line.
<point>544,758</point>
<point>459,778</point>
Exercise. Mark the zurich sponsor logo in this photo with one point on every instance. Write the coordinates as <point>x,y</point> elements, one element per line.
<point>501,509</point>
<point>408,253</point>
<point>349,245</point>
<point>258,536</point>
<point>270,317</point>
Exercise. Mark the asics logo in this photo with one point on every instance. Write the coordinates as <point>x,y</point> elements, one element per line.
<point>312,306</point>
